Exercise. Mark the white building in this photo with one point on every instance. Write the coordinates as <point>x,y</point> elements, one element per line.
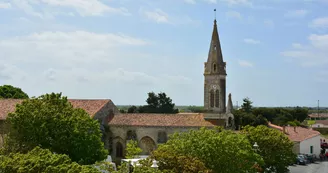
<point>320,124</point>
<point>306,141</point>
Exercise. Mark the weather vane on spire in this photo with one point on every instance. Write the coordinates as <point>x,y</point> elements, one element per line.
<point>215,13</point>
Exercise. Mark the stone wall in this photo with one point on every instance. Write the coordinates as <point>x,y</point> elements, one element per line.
<point>104,115</point>
<point>119,134</point>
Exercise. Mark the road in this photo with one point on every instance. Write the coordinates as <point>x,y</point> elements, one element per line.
<point>318,167</point>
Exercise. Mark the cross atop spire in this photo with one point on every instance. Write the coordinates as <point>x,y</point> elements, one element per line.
<point>214,14</point>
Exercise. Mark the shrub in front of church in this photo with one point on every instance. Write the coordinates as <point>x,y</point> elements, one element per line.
<point>51,122</point>
<point>275,147</point>
<point>207,150</point>
<point>41,160</point>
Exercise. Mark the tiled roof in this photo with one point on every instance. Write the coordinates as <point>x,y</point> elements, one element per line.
<point>324,122</point>
<point>321,115</point>
<point>90,106</point>
<point>7,106</point>
<point>296,134</point>
<point>161,120</point>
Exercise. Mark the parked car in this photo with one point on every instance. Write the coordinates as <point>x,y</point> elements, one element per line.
<point>300,160</point>
<point>310,157</point>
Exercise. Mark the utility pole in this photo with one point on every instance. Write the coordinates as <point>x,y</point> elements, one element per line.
<point>318,111</point>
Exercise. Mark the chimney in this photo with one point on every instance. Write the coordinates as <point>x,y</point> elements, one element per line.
<point>295,129</point>
<point>284,129</point>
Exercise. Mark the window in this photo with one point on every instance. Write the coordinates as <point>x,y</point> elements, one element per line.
<point>214,67</point>
<point>217,98</point>
<point>214,47</point>
<point>131,135</point>
<point>162,137</point>
<point>119,149</point>
<point>212,98</point>
<point>311,149</point>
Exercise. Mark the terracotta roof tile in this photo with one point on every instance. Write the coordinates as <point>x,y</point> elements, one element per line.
<point>162,120</point>
<point>90,106</point>
<point>297,134</point>
<point>7,106</point>
<point>324,122</point>
<point>321,115</point>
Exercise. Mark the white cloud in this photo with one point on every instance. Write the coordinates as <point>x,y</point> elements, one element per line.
<point>211,1</point>
<point>313,54</point>
<point>190,1</point>
<point>296,13</point>
<point>269,23</point>
<point>237,2</point>
<point>156,15</point>
<point>83,64</point>
<point>10,72</point>
<point>82,7</point>
<point>319,23</point>
<point>233,14</point>
<point>244,63</point>
<point>297,45</point>
<point>5,5</point>
<point>67,47</point>
<point>251,41</point>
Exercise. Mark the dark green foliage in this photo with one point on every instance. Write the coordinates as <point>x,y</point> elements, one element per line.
<point>196,109</point>
<point>207,150</point>
<point>156,103</point>
<point>51,122</point>
<point>274,147</point>
<point>247,105</point>
<point>122,111</point>
<point>281,116</point>
<point>248,115</point>
<point>10,92</point>
<point>41,160</point>
<point>133,109</point>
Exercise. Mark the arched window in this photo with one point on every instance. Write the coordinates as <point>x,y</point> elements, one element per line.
<point>217,98</point>
<point>119,149</point>
<point>131,135</point>
<point>229,121</point>
<point>214,67</point>
<point>162,137</point>
<point>214,47</point>
<point>212,98</point>
<point>147,144</point>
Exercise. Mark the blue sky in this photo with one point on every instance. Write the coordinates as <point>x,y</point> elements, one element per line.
<point>276,50</point>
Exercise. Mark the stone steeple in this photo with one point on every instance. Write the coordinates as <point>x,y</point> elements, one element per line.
<point>215,63</point>
<point>229,106</point>
<point>215,76</point>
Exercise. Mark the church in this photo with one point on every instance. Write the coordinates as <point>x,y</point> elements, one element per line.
<point>153,129</point>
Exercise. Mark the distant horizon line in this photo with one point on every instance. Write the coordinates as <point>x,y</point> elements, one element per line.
<point>240,106</point>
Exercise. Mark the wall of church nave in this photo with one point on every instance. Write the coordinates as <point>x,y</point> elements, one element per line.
<point>148,137</point>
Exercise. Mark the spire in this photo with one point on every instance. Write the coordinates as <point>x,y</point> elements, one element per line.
<point>215,53</point>
<point>230,106</point>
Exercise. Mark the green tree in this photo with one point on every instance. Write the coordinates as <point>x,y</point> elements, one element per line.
<point>159,103</point>
<point>132,149</point>
<point>274,147</point>
<point>219,150</point>
<point>133,109</point>
<point>10,92</point>
<point>41,160</point>
<point>247,105</point>
<point>51,122</point>
<point>156,103</point>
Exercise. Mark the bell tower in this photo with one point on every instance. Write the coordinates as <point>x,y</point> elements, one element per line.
<point>215,76</point>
